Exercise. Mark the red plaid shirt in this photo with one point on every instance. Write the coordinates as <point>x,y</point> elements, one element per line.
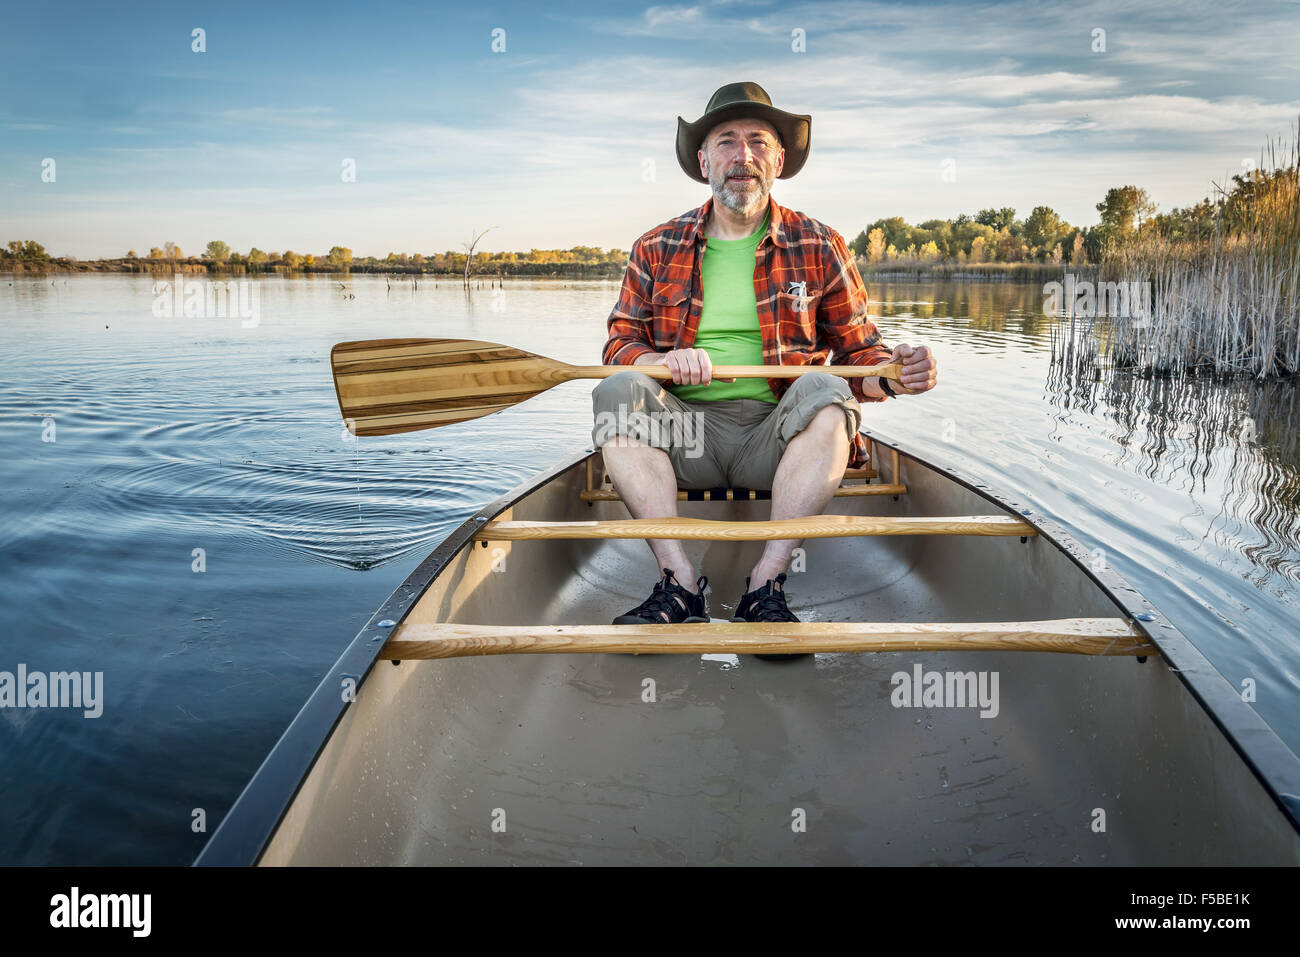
<point>812,304</point>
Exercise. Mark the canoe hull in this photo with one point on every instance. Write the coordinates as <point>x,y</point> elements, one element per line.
<point>666,759</point>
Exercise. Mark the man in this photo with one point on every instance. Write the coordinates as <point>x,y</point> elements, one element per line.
<point>744,281</point>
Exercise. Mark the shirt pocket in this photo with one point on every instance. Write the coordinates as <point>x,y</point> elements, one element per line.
<point>670,306</point>
<point>796,317</point>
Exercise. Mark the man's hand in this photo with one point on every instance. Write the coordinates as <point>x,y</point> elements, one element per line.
<point>920,369</point>
<point>688,366</point>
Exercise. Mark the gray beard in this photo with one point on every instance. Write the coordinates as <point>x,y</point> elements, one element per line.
<point>734,200</point>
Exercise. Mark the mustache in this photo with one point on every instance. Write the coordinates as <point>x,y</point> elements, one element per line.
<point>743,171</point>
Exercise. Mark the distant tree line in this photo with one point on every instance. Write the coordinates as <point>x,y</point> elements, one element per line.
<point>580,260</point>
<point>341,258</point>
<point>590,261</point>
<point>990,236</point>
<point>1126,214</point>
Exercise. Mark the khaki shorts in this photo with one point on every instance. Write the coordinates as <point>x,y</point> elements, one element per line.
<point>734,443</point>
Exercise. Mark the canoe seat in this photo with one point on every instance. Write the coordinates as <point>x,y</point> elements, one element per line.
<point>741,494</point>
<point>607,493</point>
<point>1081,636</point>
<point>813,526</point>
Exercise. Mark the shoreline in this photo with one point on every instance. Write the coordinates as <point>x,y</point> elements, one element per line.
<point>928,272</point>
<point>208,267</point>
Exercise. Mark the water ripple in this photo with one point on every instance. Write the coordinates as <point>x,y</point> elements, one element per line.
<point>357,513</point>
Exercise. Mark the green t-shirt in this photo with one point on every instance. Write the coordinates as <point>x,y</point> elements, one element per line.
<point>728,329</point>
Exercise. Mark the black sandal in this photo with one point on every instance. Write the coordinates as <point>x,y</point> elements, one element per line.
<point>767,604</point>
<point>669,604</point>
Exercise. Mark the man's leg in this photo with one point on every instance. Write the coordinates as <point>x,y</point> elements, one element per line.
<point>644,478</point>
<point>808,437</point>
<point>645,475</point>
<point>811,468</point>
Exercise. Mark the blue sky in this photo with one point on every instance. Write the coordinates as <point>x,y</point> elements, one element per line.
<point>551,140</point>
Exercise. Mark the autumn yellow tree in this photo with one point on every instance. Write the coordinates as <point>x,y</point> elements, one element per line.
<point>876,245</point>
<point>1078,256</point>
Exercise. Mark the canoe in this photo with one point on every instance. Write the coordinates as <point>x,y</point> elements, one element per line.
<point>984,691</point>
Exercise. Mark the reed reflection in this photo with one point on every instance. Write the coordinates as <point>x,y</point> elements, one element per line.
<point>1238,438</point>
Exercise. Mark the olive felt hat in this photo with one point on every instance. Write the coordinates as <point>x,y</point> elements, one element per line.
<point>749,101</point>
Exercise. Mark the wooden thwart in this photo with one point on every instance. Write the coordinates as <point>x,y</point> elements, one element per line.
<point>1079,636</point>
<point>815,526</point>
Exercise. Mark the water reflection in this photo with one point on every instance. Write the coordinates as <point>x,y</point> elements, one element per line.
<point>1000,307</point>
<point>1237,439</point>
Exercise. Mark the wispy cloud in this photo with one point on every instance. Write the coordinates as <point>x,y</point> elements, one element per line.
<point>1009,86</point>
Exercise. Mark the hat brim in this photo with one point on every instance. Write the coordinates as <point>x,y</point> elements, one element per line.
<point>794,129</point>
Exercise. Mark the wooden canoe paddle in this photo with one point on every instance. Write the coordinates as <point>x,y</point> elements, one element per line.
<point>386,386</point>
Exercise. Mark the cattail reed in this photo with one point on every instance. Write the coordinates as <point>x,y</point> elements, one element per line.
<point>1228,301</point>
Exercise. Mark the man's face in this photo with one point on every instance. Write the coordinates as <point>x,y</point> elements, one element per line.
<point>742,158</point>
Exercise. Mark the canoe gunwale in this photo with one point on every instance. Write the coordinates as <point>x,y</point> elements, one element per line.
<point>247,828</point>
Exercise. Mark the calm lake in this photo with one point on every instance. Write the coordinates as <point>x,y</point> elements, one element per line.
<point>184,512</point>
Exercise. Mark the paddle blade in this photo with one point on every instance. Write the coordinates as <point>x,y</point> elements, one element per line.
<point>386,386</point>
